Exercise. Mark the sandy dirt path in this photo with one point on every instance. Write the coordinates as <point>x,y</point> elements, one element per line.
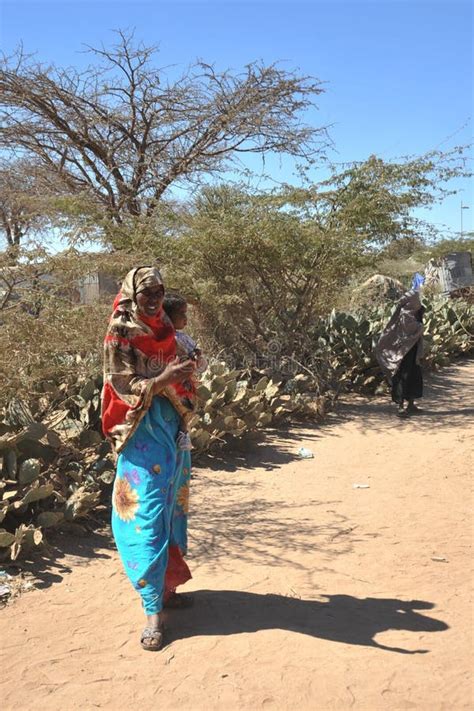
<point>310,594</point>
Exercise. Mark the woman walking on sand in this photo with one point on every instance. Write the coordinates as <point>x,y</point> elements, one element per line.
<point>400,350</point>
<point>144,406</point>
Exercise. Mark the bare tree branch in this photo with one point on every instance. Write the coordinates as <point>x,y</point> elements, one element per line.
<point>123,133</point>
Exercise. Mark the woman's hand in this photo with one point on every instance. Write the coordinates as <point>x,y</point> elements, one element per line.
<point>175,372</point>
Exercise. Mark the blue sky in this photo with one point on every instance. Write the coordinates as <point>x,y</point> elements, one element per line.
<point>398,74</point>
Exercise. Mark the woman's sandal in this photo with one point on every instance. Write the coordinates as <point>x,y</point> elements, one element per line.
<point>152,639</point>
<point>178,601</point>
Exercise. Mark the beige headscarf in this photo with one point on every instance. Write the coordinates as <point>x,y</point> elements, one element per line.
<point>138,280</point>
<point>402,332</point>
<point>129,369</point>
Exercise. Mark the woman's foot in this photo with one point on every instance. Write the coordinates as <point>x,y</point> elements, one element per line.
<point>401,412</point>
<point>412,409</point>
<point>178,601</point>
<point>152,635</point>
<point>152,639</point>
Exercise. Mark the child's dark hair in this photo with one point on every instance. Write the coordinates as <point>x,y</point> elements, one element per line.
<point>172,303</point>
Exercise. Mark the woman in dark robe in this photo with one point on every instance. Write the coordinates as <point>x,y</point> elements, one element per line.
<point>400,350</point>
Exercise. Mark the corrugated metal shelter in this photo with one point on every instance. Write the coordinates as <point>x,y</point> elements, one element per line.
<point>95,286</point>
<point>452,272</point>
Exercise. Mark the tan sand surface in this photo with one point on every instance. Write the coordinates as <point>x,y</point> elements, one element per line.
<point>310,593</point>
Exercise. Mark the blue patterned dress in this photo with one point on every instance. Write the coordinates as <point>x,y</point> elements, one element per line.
<point>150,506</point>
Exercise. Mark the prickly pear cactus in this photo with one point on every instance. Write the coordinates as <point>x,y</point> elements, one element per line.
<point>56,470</point>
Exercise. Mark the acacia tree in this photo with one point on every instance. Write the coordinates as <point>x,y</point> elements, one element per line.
<point>122,132</point>
<point>376,199</point>
<point>261,270</point>
<point>266,265</point>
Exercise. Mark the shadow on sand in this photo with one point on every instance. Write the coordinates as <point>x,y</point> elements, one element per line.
<point>47,565</point>
<point>448,403</point>
<point>339,618</point>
